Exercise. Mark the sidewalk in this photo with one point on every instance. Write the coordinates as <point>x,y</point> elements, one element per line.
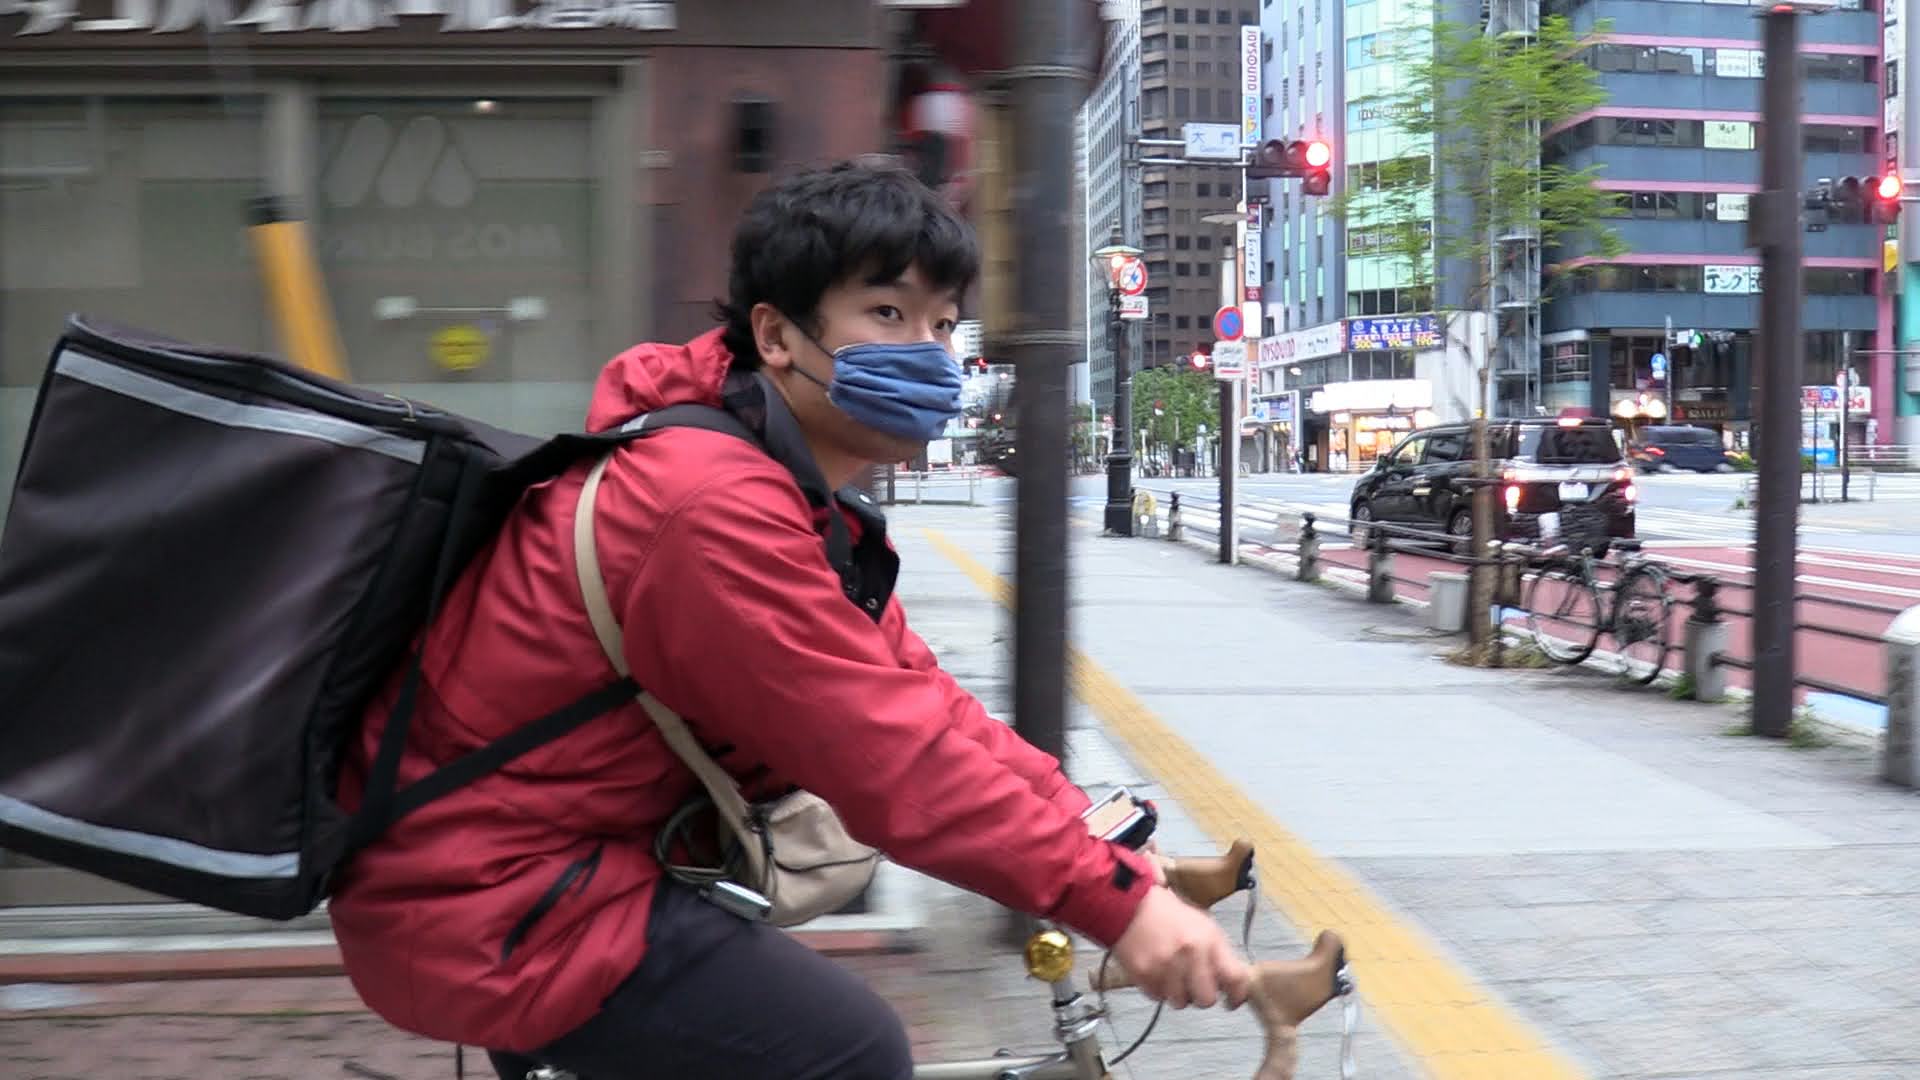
<point>1540,876</point>
<point>1638,892</point>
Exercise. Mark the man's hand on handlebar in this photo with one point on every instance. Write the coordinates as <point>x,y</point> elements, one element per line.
<point>1176,953</point>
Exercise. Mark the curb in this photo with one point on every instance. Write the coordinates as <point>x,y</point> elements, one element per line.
<point>893,925</point>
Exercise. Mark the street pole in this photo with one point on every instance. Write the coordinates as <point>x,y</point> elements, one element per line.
<point>1119,516</point>
<point>1778,440</point>
<point>1666,377</point>
<point>1229,400</point>
<point>1045,92</point>
<point>1845,380</point>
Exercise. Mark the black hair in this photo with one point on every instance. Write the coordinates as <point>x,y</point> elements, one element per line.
<point>819,228</point>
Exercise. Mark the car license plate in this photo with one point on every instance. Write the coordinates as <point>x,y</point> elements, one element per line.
<point>1571,490</point>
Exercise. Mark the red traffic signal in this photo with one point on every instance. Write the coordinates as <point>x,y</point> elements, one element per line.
<point>1309,160</point>
<point>1889,187</point>
<point>1199,360</point>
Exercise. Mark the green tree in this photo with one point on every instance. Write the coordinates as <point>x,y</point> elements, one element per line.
<point>1191,399</point>
<point>1474,106</point>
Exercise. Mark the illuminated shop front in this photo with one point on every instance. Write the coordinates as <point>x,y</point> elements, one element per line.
<point>1366,419</point>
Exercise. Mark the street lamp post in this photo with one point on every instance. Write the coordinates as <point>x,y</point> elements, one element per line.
<point>1119,517</point>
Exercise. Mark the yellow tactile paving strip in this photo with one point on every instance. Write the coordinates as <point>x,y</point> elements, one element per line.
<point>1446,1022</point>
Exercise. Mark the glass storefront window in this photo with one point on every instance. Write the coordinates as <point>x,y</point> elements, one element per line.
<point>458,241</point>
<point>128,211</point>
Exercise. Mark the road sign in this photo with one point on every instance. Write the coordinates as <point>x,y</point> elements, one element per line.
<point>1659,367</point>
<point>1212,142</point>
<point>1132,277</point>
<point>1133,307</point>
<point>1229,359</point>
<point>1228,324</point>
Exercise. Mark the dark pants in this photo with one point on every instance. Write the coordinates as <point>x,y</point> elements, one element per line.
<point>717,996</point>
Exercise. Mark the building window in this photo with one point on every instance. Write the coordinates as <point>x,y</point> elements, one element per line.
<point>1183,269</point>
<point>1205,242</point>
<point>1182,103</point>
<point>1202,43</point>
<point>1206,269</point>
<point>1179,15</point>
<point>1179,42</point>
<point>1266,50</point>
<point>1202,16</point>
<point>1203,189</point>
<point>1266,106</point>
<point>1183,322</point>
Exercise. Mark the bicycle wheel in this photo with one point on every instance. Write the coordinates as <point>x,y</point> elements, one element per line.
<point>1642,619</point>
<point>1563,614</point>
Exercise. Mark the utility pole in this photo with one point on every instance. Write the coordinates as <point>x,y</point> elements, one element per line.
<point>1045,89</point>
<point>1775,228</point>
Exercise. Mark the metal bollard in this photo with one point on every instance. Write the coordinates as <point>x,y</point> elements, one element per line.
<point>1705,637</point>
<point>1379,568</point>
<point>1900,753</point>
<point>1173,517</point>
<point>1309,568</point>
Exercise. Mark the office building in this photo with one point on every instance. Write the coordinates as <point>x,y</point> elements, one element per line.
<point>1678,142</point>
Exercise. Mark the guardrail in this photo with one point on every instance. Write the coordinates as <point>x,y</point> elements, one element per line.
<point>1295,542</point>
<point>1827,485</point>
<point>949,487</point>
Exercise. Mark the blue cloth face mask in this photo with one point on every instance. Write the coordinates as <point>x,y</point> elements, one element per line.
<point>907,390</point>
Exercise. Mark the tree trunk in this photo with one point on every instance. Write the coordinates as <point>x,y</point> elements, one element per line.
<point>1480,578</point>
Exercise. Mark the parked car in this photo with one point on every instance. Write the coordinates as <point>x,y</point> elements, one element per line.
<point>1668,449</point>
<point>1570,475</point>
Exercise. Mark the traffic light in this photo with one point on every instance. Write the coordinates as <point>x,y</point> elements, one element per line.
<point>1199,360</point>
<point>1308,159</point>
<point>1844,199</point>
<point>1886,197</point>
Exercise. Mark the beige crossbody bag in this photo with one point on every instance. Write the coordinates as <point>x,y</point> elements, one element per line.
<point>793,851</point>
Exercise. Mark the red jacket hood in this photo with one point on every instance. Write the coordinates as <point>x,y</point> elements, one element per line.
<point>649,377</point>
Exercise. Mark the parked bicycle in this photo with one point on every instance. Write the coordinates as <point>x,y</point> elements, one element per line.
<point>1568,609</point>
<point>1285,993</point>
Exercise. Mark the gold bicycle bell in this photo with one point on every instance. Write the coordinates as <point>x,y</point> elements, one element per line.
<point>1049,956</point>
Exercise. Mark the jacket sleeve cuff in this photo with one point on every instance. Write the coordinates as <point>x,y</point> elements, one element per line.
<point>1103,908</point>
<point>1067,795</point>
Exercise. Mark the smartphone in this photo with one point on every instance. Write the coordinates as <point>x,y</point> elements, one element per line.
<point>737,900</point>
<point>1121,819</point>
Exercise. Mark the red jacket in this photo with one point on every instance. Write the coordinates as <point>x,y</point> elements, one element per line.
<point>733,618</point>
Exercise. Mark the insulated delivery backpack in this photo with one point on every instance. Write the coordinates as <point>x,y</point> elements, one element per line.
<point>211,563</point>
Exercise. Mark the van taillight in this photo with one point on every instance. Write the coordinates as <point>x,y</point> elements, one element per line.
<point>1513,498</point>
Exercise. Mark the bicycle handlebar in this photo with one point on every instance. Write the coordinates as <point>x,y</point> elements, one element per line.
<point>1286,992</point>
<point>1204,882</point>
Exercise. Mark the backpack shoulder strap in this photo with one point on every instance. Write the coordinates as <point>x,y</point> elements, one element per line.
<point>593,590</point>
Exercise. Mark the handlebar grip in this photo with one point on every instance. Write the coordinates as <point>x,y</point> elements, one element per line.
<point>1204,882</point>
<point>1286,992</point>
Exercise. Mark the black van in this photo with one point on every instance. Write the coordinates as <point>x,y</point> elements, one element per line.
<point>1667,449</point>
<point>1572,469</point>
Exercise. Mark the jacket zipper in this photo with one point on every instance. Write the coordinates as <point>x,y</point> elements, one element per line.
<point>576,877</point>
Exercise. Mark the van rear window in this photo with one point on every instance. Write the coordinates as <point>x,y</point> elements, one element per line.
<point>1568,445</point>
<point>1686,437</point>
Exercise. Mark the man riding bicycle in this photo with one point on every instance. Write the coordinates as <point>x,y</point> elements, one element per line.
<point>527,913</point>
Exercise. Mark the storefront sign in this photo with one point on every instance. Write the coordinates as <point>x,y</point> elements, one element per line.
<point>1859,398</point>
<point>1397,332</point>
<point>1297,345</point>
<point>1249,84</point>
<point>1732,280</point>
<point>334,16</point>
<point>1373,395</point>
